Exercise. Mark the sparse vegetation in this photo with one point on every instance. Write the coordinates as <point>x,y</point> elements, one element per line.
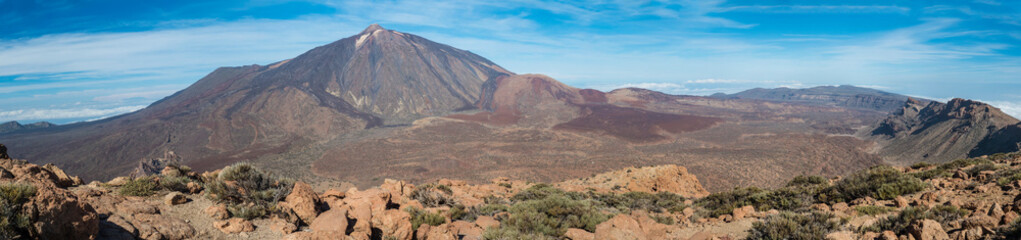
<point>655,203</point>
<point>253,193</point>
<point>434,195</point>
<point>898,223</point>
<point>797,194</point>
<point>880,182</point>
<point>795,226</point>
<point>14,222</point>
<point>872,210</point>
<point>552,215</point>
<point>920,165</point>
<point>975,170</point>
<point>419,217</point>
<point>143,186</point>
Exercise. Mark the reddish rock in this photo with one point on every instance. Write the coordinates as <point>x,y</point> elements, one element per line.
<point>927,230</point>
<point>303,201</point>
<point>579,234</point>
<point>218,212</point>
<point>234,225</point>
<point>394,223</point>
<point>742,212</point>
<point>333,220</point>
<point>170,228</point>
<point>619,227</point>
<point>487,222</point>
<point>174,198</point>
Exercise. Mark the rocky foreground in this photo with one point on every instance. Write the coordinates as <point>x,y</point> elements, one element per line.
<point>965,199</point>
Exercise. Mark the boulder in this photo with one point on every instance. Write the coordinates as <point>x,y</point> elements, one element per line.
<point>303,201</point>
<point>441,232</point>
<point>218,212</point>
<point>194,187</point>
<point>333,220</point>
<point>840,207</point>
<point>394,223</point>
<point>487,222</point>
<point>118,181</point>
<point>57,212</point>
<point>742,212</point>
<point>234,225</point>
<point>170,171</point>
<point>579,234</point>
<point>283,226</point>
<point>3,152</point>
<point>901,202</point>
<point>619,227</point>
<point>174,198</point>
<point>61,178</point>
<point>927,230</point>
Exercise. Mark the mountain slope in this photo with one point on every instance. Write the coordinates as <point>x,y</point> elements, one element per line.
<point>938,132</point>
<point>840,96</point>
<point>369,80</point>
<point>15,126</point>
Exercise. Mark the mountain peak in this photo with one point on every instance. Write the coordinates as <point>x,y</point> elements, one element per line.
<point>372,28</point>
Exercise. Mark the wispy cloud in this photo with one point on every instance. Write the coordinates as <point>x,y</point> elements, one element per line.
<point>71,113</point>
<point>822,9</point>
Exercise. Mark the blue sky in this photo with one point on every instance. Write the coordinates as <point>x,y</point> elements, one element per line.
<point>65,61</point>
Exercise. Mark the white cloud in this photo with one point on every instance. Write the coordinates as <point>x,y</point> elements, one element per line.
<point>1011,108</point>
<point>39,114</point>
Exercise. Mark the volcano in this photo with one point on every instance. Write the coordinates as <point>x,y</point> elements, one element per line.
<point>376,78</point>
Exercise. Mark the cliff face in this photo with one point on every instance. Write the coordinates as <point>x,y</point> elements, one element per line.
<point>841,96</point>
<point>938,132</point>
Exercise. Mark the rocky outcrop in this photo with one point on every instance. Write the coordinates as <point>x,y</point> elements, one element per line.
<point>666,178</point>
<point>56,213</point>
<point>937,132</point>
<point>3,152</point>
<point>234,225</point>
<point>303,202</point>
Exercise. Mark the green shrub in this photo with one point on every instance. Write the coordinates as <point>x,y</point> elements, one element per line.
<point>179,183</point>
<point>795,226</point>
<point>662,219</point>
<point>419,217</point>
<point>535,192</point>
<point>657,203</point>
<point>433,195</point>
<point>143,186</point>
<point>1007,176</point>
<point>920,165</point>
<point>932,173</point>
<point>552,215</point>
<point>963,163</point>
<point>973,171</point>
<point>506,185</point>
<point>247,211</point>
<point>724,202</point>
<point>1010,231</point>
<point>898,223</point>
<point>506,233</point>
<point>807,181</point>
<point>799,194</point>
<point>872,210</point>
<point>253,193</point>
<point>459,212</point>
<point>880,182</point>
<point>14,222</point>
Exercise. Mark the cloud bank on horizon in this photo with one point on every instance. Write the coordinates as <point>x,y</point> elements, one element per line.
<point>65,61</point>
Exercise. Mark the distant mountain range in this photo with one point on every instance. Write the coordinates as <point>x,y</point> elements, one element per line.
<point>15,126</point>
<point>839,96</point>
<point>386,104</point>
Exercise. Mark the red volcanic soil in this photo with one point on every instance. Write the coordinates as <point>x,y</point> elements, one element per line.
<point>635,124</point>
<point>502,117</point>
<point>593,96</point>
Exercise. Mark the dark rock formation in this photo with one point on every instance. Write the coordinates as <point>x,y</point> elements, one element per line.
<point>840,96</point>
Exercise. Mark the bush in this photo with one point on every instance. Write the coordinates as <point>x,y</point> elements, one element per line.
<point>724,202</point>
<point>506,233</point>
<point>872,210</point>
<point>657,203</point>
<point>179,183</point>
<point>920,165</point>
<point>419,217</point>
<point>433,195</point>
<point>799,194</point>
<point>973,171</point>
<point>1010,231</point>
<point>963,163</point>
<point>535,192</point>
<point>143,186</point>
<point>807,181</point>
<point>551,216</point>
<point>932,173</point>
<point>1006,177</point>
<point>14,222</point>
<point>247,211</point>
<point>794,226</point>
<point>662,219</point>
<point>880,182</point>
<point>459,212</point>
<point>253,193</point>
<point>898,223</point>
